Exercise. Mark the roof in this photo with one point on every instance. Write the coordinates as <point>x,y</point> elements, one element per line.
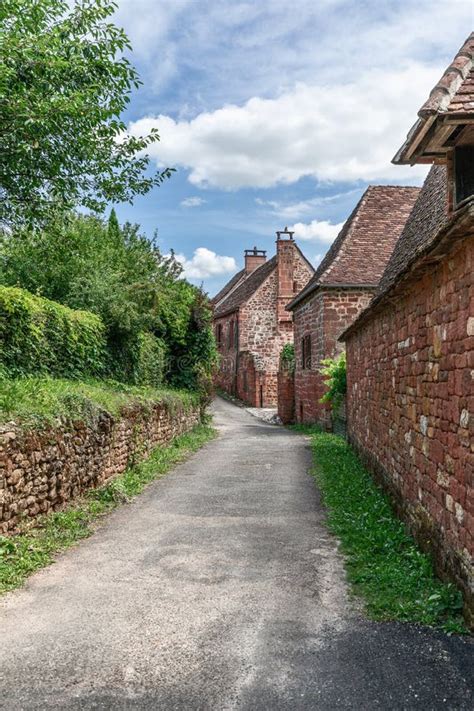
<point>429,214</point>
<point>428,225</point>
<point>360,252</point>
<point>245,290</point>
<point>452,96</point>
<point>228,287</point>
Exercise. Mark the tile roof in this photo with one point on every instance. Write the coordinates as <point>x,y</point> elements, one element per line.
<point>360,252</point>
<point>427,227</point>
<point>245,290</point>
<point>227,288</point>
<point>428,216</point>
<point>454,91</point>
<point>453,96</point>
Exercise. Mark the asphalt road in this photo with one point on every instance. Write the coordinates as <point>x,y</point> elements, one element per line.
<point>218,588</point>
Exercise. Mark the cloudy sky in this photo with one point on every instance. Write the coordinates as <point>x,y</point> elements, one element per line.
<point>277,112</point>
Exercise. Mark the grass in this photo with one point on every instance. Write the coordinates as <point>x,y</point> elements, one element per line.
<point>23,554</point>
<point>384,565</point>
<point>36,401</point>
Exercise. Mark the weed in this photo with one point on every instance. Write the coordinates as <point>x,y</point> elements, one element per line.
<point>384,565</point>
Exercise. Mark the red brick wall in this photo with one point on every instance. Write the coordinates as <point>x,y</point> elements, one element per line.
<point>324,315</point>
<point>411,406</point>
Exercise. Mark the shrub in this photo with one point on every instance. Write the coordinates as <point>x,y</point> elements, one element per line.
<point>149,360</point>
<point>334,370</point>
<point>41,336</point>
<point>287,358</point>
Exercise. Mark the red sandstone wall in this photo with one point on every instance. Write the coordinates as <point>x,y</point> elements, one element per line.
<point>286,396</point>
<point>263,332</point>
<point>324,315</point>
<point>411,406</point>
<point>226,375</point>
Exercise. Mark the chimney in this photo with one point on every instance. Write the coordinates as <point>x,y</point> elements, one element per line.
<point>254,258</point>
<point>285,247</point>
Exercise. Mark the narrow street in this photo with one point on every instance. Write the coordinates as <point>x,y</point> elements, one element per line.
<point>218,588</point>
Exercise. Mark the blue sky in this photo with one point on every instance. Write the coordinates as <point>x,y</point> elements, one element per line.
<point>277,113</point>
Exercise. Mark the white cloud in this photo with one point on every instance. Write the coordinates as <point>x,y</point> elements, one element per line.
<point>192,201</point>
<point>317,259</point>
<point>336,133</point>
<point>291,211</point>
<point>315,230</point>
<point>206,53</point>
<point>206,263</point>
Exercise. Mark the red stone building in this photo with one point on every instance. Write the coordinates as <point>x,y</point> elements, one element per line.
<point>251,323</point>
<point>410,355</point>
<point>342,286</point>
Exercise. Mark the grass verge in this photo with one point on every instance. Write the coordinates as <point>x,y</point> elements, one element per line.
<point>384,565</point>
<point>23,554</point>
<point>36,401</point>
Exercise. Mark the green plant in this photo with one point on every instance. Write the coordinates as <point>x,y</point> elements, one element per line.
<point>287,358</point>
<point>120,275</point>
<point>64,83</point>
<point>334,370</point>
<point>38,400</point>
<point>40,336</point>
<point>384,565</point>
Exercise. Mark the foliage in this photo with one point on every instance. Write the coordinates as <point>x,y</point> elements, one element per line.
<point>334,370</point>
<point>64,83</point>
<point>120,275</point>
<point>287,358</point>
<point>36,400</point>
<point>383,562</point>
<point>41,336</point>
<point>22,555</point>
<point>195,356</point>
<point>150,360</point>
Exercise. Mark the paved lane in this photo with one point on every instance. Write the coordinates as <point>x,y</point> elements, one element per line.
<point>218,588</point>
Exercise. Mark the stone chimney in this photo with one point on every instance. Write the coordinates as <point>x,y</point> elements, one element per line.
<point>285,248</point>
<point>254,258</point>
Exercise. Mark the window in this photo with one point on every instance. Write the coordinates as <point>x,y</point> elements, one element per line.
<point>464,172</point>
<point>306,352</point>
<point>219,335</point>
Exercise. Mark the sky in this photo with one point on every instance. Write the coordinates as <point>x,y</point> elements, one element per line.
<point>276,113</point>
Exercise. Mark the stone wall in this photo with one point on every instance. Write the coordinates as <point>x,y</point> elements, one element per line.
<point>264,328</point>
<point>42,469</point>
<point>410,405</point>
<point>226,375</point>
<point>324,315</point>
<point>286,396</point>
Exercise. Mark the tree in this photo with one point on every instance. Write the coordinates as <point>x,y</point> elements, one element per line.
<point>64,84</point>
<point>119,274</point>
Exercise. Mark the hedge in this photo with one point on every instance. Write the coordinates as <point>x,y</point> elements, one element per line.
<point>149,360</point>
<point>39,336</point>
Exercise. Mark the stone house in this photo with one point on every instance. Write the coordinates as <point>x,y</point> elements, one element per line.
<point>410,354</point>
<point>251,323</point>
<point>341,287</point>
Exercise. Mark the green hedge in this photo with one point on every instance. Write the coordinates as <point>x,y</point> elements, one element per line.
<point>41,336</point>
<point>149,360</point>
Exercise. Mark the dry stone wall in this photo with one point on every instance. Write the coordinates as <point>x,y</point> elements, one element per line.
<point>42,469</point>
